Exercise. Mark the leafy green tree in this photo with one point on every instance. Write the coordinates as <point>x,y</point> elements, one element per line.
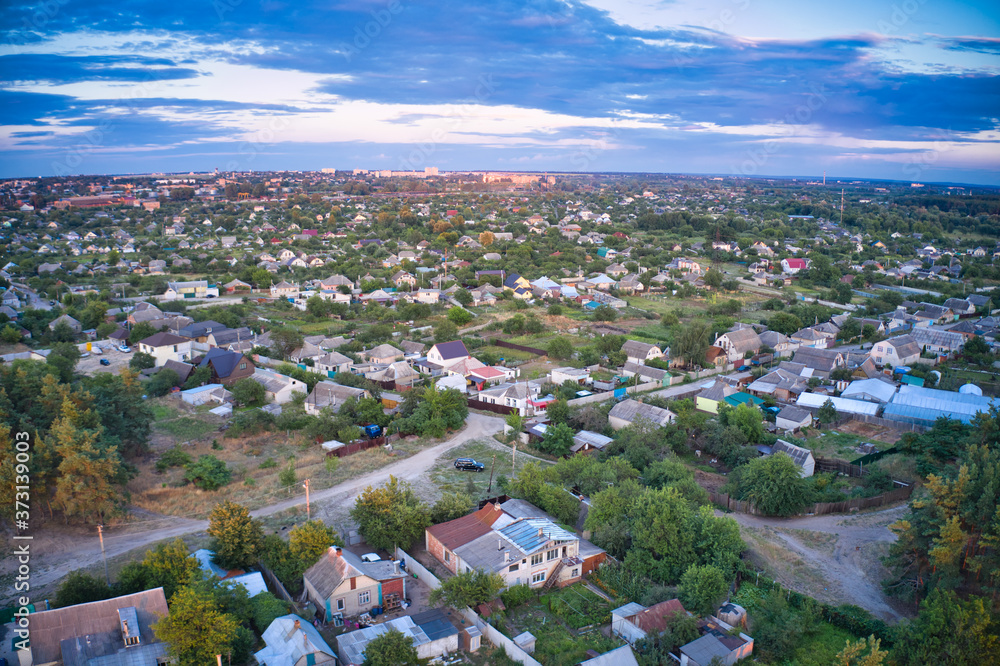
<point>558,411</point>
<point>62,333</point>
<point>391,649</point>
<point>702,588</point>
<point>10,335</point>
<point>141,331</point>
<point>515,422</point>
<point>459,316</point>
<point>748,419</point>
<point>692,343</point>
<point>195,630</point>
<point>445,331</point>
<point>249,392</point>
<point>311,540</point>
<point>862,652</point>
<point>63,357</point>
<point>141,361</point>
<point>390,515</point>
<point>655,649</point>
<point>469,588</point>
<point>464,297</point>
<point>560,348</point>
<point>713,278</point>
<point>208,472</point>
<point>198,377</point>
<point>124,414</point>
<point>947,630</point>
<point>284,341</point>
<point>773,484</point>
<point>558,440</point>
<point>236,537</point>
<point>777,630</point>
<point>170,566</point>
<point>266,608</point>
<point>81,588</point>
<point>451,506</point>
<point>784,322</point>
<point>162,382</point>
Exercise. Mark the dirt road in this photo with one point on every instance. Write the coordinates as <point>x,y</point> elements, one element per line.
<point>56,556</point>
<point>845,550</point>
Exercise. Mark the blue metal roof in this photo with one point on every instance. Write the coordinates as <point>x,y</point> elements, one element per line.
<point>533,533</point>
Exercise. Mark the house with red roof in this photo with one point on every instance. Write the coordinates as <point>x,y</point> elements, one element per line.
<point>793,265</point>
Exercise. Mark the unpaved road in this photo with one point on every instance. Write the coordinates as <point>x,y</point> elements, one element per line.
<point>849,564</point>
<point>54,558</point>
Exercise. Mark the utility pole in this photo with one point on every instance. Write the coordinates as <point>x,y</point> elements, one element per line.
<point>308,512</point>
<point>492,467</point>
<point>100,535</point>
<point>513,459</point>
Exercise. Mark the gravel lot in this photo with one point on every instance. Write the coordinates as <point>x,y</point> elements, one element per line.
<point>92,364</point>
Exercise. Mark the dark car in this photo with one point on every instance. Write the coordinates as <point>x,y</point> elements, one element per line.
<point>105,361</point>
<point>469,464</point>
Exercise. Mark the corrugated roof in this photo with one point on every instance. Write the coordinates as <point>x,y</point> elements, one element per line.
<point>817,400</point>
<point>797,453</point>
<point>458,532</point>
<point>531,534</point>
<point>870,389</point>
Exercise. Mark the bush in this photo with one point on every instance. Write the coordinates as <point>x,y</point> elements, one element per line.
<point>208,473</point>
<point>517,595</point>
<point>248,392</point>
<point>250,422</point>
<point>173,457</point>
<point>141,361</point>
<point>286,477</point>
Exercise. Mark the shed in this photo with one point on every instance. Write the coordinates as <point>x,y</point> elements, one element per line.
<point>793,418</point>
<point>803,458</point>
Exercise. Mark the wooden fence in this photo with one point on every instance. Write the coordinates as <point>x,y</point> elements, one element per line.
<point>840,467</point>
<point>819,508</point>
<point>361,445</point>
<point>489,406</point>
<point>510,345</point>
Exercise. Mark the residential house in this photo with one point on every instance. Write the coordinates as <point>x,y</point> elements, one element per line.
<point>901,350</point>
<point>937,341</point>
<point>792,265</point>
<point>586,441</point>
<point>803,458</point>
<point>73,324</point>
<point>384,353</point>
<point>332,395</point>
<point>333,362</point>
<point>278,387</point>
<point>779,342</point>
<point>445,354</point>
<point>640,352</point>
<point>431,633</point>
<point>620,656</point>
<point>627,412</point>
<point>719,643</point>
<point>165,347</point>
<point>516,395</point>
<point>112,631</point>
<point>284,289</point>
<point>200,331</point>
<point>228,367</point>
<point>782,384</point>
<point>739,343</point>
<point>809,337</point>
<point>402,278</point>
<point>341,585</point>
<point>633,621</point>
<point>792,418</point>
<point>961,307</point>
<point>822,361</point>
<point>192,289</point>
<point>709,399</point>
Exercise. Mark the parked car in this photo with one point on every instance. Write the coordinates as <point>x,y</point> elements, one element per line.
<point>84,354</point>
<point>371,557</point>
<point>469,464</point>
<point>105,361</point>
<point>125,349</point>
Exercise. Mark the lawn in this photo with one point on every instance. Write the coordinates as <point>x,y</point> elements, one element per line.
<point>832,444</point>
<point>448,479</point>
<point>552,617</point>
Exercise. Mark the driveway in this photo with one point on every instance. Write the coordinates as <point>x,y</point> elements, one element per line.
<point>92,364</point>
<point>59,556</point>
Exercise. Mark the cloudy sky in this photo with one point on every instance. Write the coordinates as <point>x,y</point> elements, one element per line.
<point>897,89</point>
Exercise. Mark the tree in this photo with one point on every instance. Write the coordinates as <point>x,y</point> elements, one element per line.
<point>169,566</point>
<point>560,348</point>
<point>862,652</point>
<point>451,506</point>
<point>605,313</point>
<point>81,588</point>
<point>391,649</point>
<point>464,297</point>
<point>701,589</point>
<point>558,411</point>
<point>284,341</point>
<point>195,630</point>
<point>10,335</point>
<point>249,392</point>
<point>199,377</point>
<point>390,515</point>
<point>713,278</point>
<point>141,361</point>
<point>748,419</point>
<point>162,382</point>
<point>141,331</point>
<point>772,484</point>
<point>63,358</point>
<point>692,343</point>
<point>515,422</point>
<point>827,413</point>
<point>947,630</point>
<point>208,473</point>
<point>486,238</point>
<point>784,322</point>
<point>310,541</point>
<point>469,588</point>
<point>558,440</point>
<point>445,331</point>
<point>236,537</point>
<point>124,414</point>
<point>459,316</point>
<point>63,333</point>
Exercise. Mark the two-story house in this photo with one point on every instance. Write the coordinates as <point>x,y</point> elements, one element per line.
<point>901,350</point>
<point>640,352</point>
<point>445,354</point>
<point>737,344</point>
<point>227,367</point>
<point>341,584</point>
<point>165,347</point>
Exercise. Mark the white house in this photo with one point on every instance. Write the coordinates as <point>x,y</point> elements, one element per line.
<point>279,387</point>
<point>165,347</point>
<point>640,352</point>
<point>902,350</point>
<point>193,289</point>
<point>803,458</point>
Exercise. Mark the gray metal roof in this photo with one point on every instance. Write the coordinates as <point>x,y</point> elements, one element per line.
<point>532,534</point>
<point>703,649</point>
<point>797,453</point>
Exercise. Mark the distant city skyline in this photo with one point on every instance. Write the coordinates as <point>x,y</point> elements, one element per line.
<point>903,91</point>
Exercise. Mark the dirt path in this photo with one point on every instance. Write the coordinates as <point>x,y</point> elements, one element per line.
<point>843,550</point>
<point>57,554</point>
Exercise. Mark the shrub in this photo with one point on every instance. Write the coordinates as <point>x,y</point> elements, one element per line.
<point>208,473</point>
<point>173,457</point>
<point>517,595</point>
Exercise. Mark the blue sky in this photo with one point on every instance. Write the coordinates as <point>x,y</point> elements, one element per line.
<point>900,89</point>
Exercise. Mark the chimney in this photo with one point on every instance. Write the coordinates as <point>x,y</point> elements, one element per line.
<point>506,556</point>
<point>499,544</point>
<point>297,625</point>
<point>338,552</point>
<point>540,532</point>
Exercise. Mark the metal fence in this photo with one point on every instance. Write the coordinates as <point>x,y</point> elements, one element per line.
<point>361,445</point>
<point>489,406</point>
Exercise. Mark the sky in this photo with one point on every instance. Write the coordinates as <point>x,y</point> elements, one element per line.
<point>902,90</point>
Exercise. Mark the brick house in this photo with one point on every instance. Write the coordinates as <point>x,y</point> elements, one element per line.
<point>228,367</point>
<point>341,584</point>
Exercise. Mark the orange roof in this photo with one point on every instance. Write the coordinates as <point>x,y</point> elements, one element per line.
<point>655,618</point>
<point>461,531</point>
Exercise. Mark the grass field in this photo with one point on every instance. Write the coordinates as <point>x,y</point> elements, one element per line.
<point>449,479</point>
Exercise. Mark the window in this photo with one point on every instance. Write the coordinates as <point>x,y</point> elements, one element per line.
<point>243,366</point>
<point>574,573</point>
<point>552,554</point>
<point>447,556</point>
<point>364,598</point>
<point>340,604</point>
<point>175,347</point>
<point>536,559</point>
<point>538,577</point>
<point>513,567</point>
